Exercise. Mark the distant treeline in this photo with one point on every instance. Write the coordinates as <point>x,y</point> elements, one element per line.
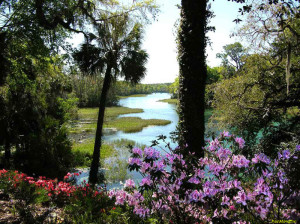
<point>125,89</point>
<point>88,90</point>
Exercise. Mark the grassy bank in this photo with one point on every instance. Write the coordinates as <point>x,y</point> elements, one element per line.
<point>134,124</point>
<point>110,112</point>
<point>84,151</point>
<point>135,95</point>
<point>113,157</point>
<point>171,101</point>
<point>88,118</point>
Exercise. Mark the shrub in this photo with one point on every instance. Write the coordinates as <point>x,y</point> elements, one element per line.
<point>82,204</point>
<point>223,187</point>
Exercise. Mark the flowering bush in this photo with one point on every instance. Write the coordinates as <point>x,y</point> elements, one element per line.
<point>222,187</point>
<point>81,203</point>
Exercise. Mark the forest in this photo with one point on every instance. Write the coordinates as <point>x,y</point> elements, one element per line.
<point>83,140</point>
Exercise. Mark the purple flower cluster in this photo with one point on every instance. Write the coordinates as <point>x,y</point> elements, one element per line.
<point>129,184</point>
<point>240,161</point>
<point>151,153</point>
<point>137,152</point>
<point>221,186</point>
<point>261,158</point>
<point>134,161</point>
<point>240,142</point>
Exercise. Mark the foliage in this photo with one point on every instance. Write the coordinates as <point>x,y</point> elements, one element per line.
<point>35,110</point>
<point>232,58</point>
<point>88,90</point>
<point>114,49</point>
<point>135,124</point>
<point>262,101</point>
<point>222,187</point>
<point>173,88</point>
<point>126,89</point>
<point>81,204</point>
<point>34,93</point>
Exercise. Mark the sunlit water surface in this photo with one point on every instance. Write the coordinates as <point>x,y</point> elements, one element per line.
<point>153,109</point>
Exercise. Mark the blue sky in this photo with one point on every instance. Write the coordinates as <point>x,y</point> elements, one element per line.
<point>160,37</point>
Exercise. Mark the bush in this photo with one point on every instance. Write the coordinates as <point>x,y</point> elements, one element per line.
<point>223,187</point>
<point>81,204</point>
<point>36,106</point>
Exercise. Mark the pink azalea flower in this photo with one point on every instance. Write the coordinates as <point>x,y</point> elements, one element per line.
<point>129,184</point>
<point>241,198</point>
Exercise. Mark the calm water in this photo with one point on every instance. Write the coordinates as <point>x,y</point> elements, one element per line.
<point>152,110</point>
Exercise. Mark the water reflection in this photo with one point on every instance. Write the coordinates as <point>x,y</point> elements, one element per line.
<point>152,110</point>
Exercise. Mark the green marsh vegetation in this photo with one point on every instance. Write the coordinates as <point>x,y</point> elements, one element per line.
<point>134,124</point>
<point>87,120</point>
<point>113,156</point>
<point>110,112</point>
<point>171,101</point>
<point>83,152</point>
<point>134,95</point>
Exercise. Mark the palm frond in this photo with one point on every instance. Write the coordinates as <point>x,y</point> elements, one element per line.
<point>89,59</point>
<point>133,67</point>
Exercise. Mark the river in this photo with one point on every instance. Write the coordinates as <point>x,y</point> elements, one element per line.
<point>153,109</point>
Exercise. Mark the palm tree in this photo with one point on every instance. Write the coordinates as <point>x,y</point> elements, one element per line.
<point>116,52</point>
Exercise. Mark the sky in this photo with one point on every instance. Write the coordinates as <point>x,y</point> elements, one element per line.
<point>160,36</point>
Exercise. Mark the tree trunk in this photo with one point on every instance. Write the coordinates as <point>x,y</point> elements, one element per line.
<point>93,178</point>
<point>7,154</point>
<point>192,74</point>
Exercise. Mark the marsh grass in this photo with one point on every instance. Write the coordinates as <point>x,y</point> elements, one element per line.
<point>135,95</point>
<point>171,101</point>
<point>88,118</point>
<point>121,143</point>
<point>87,147</point>
<point>113,157</point>
<point>134,124</point>
<point>110,112</point>
<point>83,152</point>
<point>116,170</point>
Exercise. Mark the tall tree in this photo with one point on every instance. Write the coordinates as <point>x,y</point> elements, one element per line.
<point>192,73</point>
<point>32,90</point>
<point>232,58</point>
<point>116,52</point>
